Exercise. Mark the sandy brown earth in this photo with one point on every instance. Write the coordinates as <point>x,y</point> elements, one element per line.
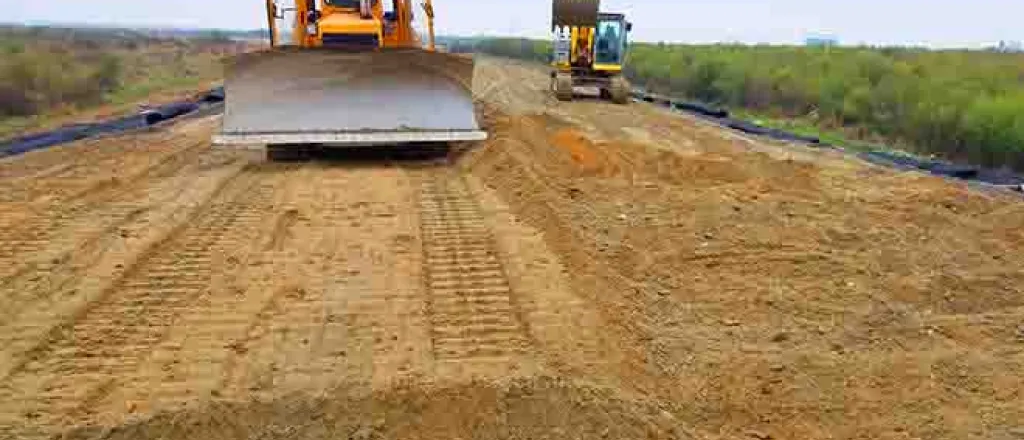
<point>592,271</point>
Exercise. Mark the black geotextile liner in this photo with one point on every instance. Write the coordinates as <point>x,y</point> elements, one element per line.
<point>722,117</point>
<point>143,119</point>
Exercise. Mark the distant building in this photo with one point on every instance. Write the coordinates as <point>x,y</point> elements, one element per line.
<point>1010,46</point>
<point>821,41</point>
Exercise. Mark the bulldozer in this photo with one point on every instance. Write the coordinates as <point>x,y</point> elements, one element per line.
<point>347,73</point>
<point>589,50</point>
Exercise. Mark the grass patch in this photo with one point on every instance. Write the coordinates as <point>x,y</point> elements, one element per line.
<point>48,76</point>
<point>808,127</point>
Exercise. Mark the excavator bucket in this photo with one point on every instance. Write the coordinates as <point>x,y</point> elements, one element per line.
<point>575,13</point>
<point>318,96</point>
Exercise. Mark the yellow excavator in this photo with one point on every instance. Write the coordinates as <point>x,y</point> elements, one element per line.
<point>348,73</point>
<point>590,50</point>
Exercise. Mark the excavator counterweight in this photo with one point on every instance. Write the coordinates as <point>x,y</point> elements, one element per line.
<point>575,12</point>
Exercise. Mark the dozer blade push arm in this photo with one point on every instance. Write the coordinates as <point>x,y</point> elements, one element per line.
<point>428,9</point>
<point>272,21</point>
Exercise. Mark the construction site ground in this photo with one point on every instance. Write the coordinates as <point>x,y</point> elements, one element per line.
<point>591,271</point>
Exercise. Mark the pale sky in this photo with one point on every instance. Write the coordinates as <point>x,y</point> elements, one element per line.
<point>937,23</point>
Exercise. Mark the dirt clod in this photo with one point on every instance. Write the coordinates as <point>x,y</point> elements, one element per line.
<point>758,435</point>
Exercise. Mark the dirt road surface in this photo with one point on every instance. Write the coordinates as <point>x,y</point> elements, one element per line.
<point>592,271</point>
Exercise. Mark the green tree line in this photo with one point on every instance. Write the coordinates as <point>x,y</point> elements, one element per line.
<point>964,105</point>
<point>32,81</point>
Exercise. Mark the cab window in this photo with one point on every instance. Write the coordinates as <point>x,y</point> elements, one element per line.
<point>351,4</point>
<point>610,42</point>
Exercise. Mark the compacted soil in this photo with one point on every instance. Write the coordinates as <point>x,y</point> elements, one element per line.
<point>591,271</point>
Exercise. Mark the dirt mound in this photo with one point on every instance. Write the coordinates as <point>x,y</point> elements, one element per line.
<point>534,409</point>
<point>770,287</point>
<point>511,85</point>
<point>579,147</point>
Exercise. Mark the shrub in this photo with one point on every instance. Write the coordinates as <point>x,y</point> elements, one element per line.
<point>15,102</point>
<point>108,73</point>
<point>994,128</point>
<point>45,68</point>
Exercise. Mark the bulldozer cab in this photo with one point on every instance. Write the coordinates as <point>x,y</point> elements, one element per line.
<point>346,80</point>
<point>611,41</point>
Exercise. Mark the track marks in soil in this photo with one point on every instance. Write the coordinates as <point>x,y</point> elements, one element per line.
<point>282,229</point>
<point>43,243</point>
<point>40,303</point>
<point>49,249</point>
<point>64,174</point>
<point>322,292</point>
<point>196,270</point>
<point>369,326</point>
<point>122,328</point>
<point>472,307</point>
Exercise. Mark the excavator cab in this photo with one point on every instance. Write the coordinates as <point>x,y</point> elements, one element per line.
<point>590,50</point>
<point>611,42</point>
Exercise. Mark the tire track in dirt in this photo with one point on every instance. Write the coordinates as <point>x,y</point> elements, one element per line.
<point>234,379</point>
<point>51,300</point>
<point>565,331</point>
<point>179,280</point>
<point>87,242</point>
<point>472,307</point>
<point>539,201</point>
<point>277,325</point>
<point>48,250</point>
<point>63,174</point>
<point>115,332</point>
<point>310,301</point>
<point>363,321</point>
<point>201,342</point>
<point>40,234</point>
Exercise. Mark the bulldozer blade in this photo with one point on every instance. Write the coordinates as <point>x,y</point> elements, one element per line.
<point>320,96</point>
<point>575,13</point>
